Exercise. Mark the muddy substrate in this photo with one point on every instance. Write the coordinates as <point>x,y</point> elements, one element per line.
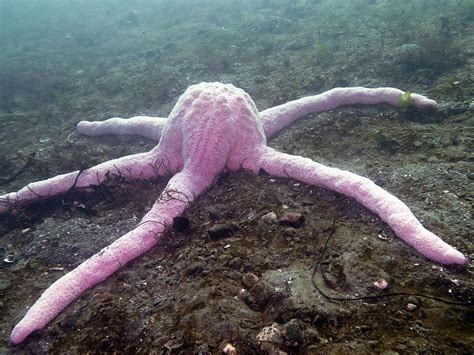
<point>195,294</point>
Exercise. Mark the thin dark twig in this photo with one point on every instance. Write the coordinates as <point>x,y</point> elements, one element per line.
<point>369,297</point>
<point>75,181</point>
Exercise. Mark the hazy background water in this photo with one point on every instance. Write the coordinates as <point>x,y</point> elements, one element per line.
<point>64,61</point>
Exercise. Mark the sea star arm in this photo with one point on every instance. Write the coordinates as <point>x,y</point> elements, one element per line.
<point>179,192</point>
<point>146,126</point>
<point>273,119</point>
<point>276,118</point>
<point>136,166</point>
<point>389,208</point>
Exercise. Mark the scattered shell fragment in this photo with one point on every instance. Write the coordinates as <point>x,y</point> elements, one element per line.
<point>413,300</point>
<point>455,281</point>
<point>411,307</point>
<point>381,284</point>
<point>9,258</point>
<point>270,217</point>
<point>270,337</point>
<point>229,349</point>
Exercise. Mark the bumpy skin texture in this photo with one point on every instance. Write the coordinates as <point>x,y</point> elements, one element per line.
<point>212,127</point>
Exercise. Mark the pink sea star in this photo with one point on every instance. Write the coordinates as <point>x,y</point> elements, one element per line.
<point>213,127</point>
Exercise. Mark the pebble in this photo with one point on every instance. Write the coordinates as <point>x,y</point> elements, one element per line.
<point>104,344</point>
<point>270,217</point>
<point>292,219</point>
<point>270,339</point>
<point>235,263</point>
<point>381,284</point>
<point>181,224</point>
<point>249,280</point>
<point>9,258</point>
<point>220,231</point>
<point>413,300</point>
<point>229,349</point>
<point>290,232</point>
<point>294,332</point>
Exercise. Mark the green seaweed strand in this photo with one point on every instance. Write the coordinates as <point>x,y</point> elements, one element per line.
<point>405,100</point>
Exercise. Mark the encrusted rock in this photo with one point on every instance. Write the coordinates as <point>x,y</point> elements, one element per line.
<point>294,336</point>
<point>270,338</point>
<point>181,224</point>
<point>292,219</point>
<point>249,280</point>
<point>290,232</point>
<point>220,231</point>
<point>270,217</point>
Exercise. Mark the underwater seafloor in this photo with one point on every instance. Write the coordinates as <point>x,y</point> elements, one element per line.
<point>186,296</point>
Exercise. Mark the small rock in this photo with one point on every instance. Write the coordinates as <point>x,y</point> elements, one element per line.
<point>270,217</point>
<point>270,338</point>
<point>249,280</point>
<point>181,224</point>
<point>290,232</point>
<point>381,284</point>
<point>9,258</point>
<point>229,349</point>
<point>175,342</point>
<point>235,263</point>
<point>417,143</point>
<point>413,300</point>
<point>220,231</point>
<point>411,307</point>
<point>294,333</point>
<point>292,219</point>
<point>104,344</point>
